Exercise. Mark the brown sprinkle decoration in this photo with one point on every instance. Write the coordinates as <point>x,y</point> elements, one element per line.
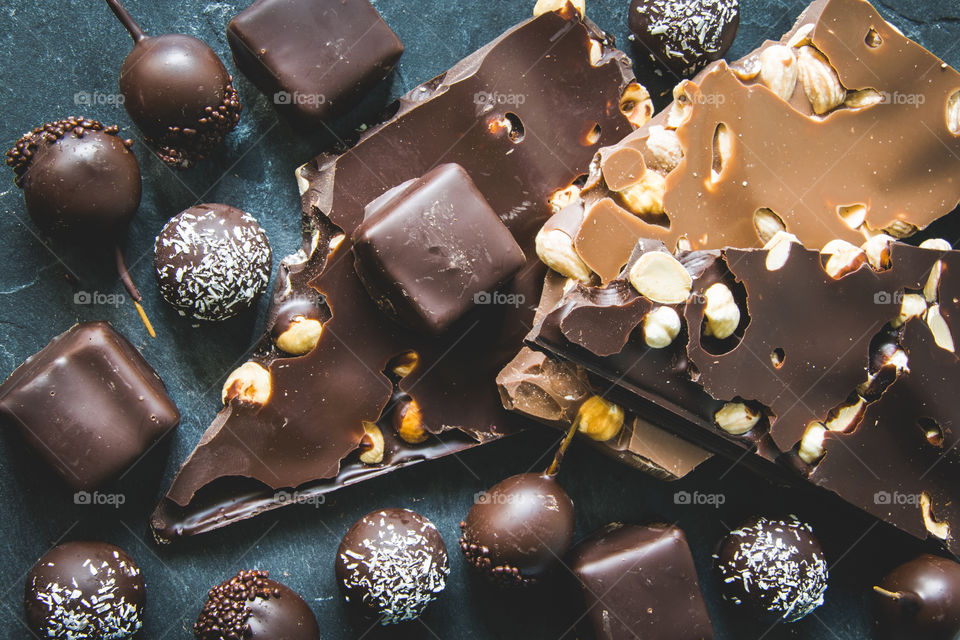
<point>225,613</point>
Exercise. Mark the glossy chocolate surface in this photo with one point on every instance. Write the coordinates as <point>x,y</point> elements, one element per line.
<point>919,599</point>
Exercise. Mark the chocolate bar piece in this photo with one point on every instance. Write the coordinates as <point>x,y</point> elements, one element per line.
<point>314,58</point>
<point>304,426</point>
<point>843,128</point>
<point>89,404</point>
<point>430,249</point>
<point>640,582</point>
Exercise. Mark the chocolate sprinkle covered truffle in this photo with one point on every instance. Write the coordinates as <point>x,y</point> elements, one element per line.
<point>773,567</point>
<point>515,532</point>
<point>251,606</point>
<point>212,262</point>
<point>391,564</point>
<point>683,35</point>
<point>85,591</point>
<point>919,599</point>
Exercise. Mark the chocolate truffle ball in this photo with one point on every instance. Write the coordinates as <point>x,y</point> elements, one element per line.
<point>178,92</point>
<point>78,177</point>
<point>85,590</point>
<point>683,35</point>
<point>515,532</point>
<point>212,262</point>
<point>392,564</point>
<point>774,568</point>
<point>919,599</point>
<point>253,607</point>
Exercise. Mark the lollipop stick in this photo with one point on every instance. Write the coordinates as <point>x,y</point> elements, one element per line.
<point>555,465</point>
<point>132,290</point>
<point>127,20</point>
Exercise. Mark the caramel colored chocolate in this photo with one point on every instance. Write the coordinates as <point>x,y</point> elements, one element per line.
<point>302,424</point>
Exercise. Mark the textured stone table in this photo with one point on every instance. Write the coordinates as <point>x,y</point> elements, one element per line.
<point>61,57</point>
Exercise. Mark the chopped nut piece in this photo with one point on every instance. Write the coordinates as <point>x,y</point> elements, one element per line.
<point>636,104</point>
<point>768,224</point>
<point>682,107</point>
<point>661,327</point>
<point>302,336</point>
<point>936,244</point>
<point>811,446</point>
<point>546,6</point>
<point>408,422</point>
<point>736,418</point>
<point>646,196</point>
<point>953,113</point>
<point>778,70</point>
<point>746,69</point>
<point>250,383</point>
<point>913,306</point>
<point>939,529</point>
<point>931,290</point>
<point>847,417</point>
<point>873,38</point>
<point>940,329</point>
<point>853,215</point>
<point>665,149</point>
<point>404,364</point>
<point>661,278</point>
<point>845,258</point>
<point>600,420</point>
<point>820,81</point>
<point>721,312</point>
<point>877,249</point>
<point>596,52</point>
<point>560,200</point>
<point>555,249</point>
<point>371,444</point>
<point>900,230</point>
<point>722,150</point>
<point>778,250</point>
<point>802,36</point>
<point>863,98</point>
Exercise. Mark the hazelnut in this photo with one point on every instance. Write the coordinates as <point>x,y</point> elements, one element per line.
<point>682,107</point>
<point>664,148</point>
<point>802,36</point>
<point>721,312</point>
<point>931,290</point>
<point>877,249</point>
<point>936,244</point>
<point>560,200</point>
<point>747,68</point>
<point>853,215</point>
<point>900,230</point>
<point>736,418</point>
<point>596,52</point>
<point>250,383</point>
<point>940,329</point>
<point>845,418</point>
<point>863,98</point>
<point>404,364</point>
<point>767,224</point>
<point>408,422</point>
<point>778,70</point>
<point>555,249</point>
<point>661,327</point>
<point>660,277</point>
<point>636,105</point>
<point>546,6</point>
<point>645,197</point>
<point>301,337</point>
<point>600,420</point>
<point>939,529</point>
<point>913,306</point>
<point>953,113</point>
<point>722,151</point>
<point>778,250</point>
<point>811,446</point>
<point>844,258</point>
<point>371,444</point>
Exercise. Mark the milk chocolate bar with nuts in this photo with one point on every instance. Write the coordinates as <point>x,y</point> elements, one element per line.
<point>360,395</point>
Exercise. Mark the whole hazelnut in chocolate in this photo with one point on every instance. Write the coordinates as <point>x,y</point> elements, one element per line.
<point>683,35</point>
<point>919,599</point>
<point>178,92</point>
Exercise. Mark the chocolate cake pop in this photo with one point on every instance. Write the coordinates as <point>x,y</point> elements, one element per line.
<point>178,92</point>
<point>85,591</point>
<point>518,530</point>
<point>391,564</point>
<point>80,180</point>
<point>919,599</point>
<point>253,607</point>
<point>212,262</point>
<point>774,568</point>
<point>683,35</point>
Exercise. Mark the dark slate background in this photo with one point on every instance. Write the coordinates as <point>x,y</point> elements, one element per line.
<point>56,53</point>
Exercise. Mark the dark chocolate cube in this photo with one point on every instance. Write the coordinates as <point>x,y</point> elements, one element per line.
<point>640,582</point>
<point>431,248</point>
<point>314,58</point>
<point>88,403</point>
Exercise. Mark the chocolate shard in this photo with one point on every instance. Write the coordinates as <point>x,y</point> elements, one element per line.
<point>301,426</point>
<point>89,404</point>
<point>314,58</point>
<point>640,582</point>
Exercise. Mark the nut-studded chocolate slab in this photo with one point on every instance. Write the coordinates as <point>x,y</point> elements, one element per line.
<point>843,128</point>
<point>298,423</point>
<point>841,376</point>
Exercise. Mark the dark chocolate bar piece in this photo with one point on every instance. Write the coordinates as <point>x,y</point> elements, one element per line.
<point>315,59</point>
<point>89,404</point>
<point>431,249</point>
<point>640,582</point>
<point>372,396</point>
